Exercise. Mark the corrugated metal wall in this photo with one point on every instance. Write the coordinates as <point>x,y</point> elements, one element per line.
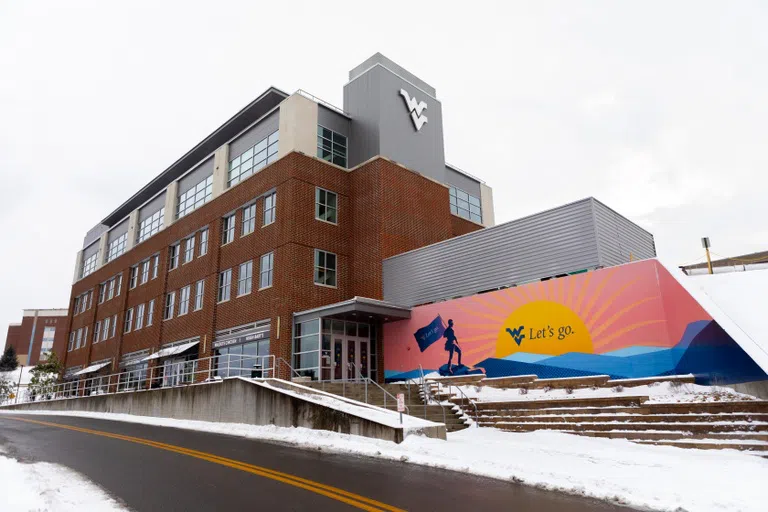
<point>578,236</point>
<point>554,242</point>
<point>151,207</point>
<point>618,237</point>
<point>200,173</point>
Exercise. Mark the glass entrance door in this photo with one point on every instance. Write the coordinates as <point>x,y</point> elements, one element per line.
<point>349,356</point>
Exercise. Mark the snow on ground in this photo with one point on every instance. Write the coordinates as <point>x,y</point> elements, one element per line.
<point>13,375</point>
<point>49,487</point>
<point>655,477</point>
<point>661,393</point>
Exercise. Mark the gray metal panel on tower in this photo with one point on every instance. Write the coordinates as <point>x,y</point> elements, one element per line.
<point>620,239</point>
<point>91,250</point>
<point>378,58</point>
<point>547,244</point>
<point>94,234</point>
<point>460,180</point>
<point>333,120</point>
<point>256,133</point>
<point>412,137</point>
<point>200,173</point>
<point>117,231</point>
<point>151,207</point>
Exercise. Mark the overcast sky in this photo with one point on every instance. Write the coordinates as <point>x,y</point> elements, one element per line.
<point>658,109</point>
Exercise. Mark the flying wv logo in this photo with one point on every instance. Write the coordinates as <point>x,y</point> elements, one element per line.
<point>415,109</point>
<point>517,334</point>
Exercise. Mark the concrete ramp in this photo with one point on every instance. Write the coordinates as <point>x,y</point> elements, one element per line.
<point>255,402</point>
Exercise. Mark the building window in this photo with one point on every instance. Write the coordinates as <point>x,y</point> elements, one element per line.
<point>71,344</point>
<point>306,348</point>
<point>195,197</point>
<point>119,279</point>
<point>78,339</point>
<point>105,334</point>
<point>144,271</point>
<point>265,273</point>
<point>116,247</point>
<point>114,326</point>
<point>204,242</point>
<point>155,265</point>
<point>150,312</point>
<point>270,201</point>
<point>325,268</point>
<point>47,345</point>
<point>151,225</point>
<point>128,321</point>
<point>139,317</point>
<point>189,252</point>
<point>111,291</point>
<point>170,300</point>
<point>228,229</point>
<point>326,204</point>
<point>97,332</point>
<point>465,205</point>
<point>249,219</point>
<point>89,265</point>
<point>102,292</point>
<point>199,291</point>
<point>184,300</point>
<point>225,282</point>
<point>245,278</point>
<point>253,159</point>
<point>331,146</point>
<point>134,278</point>
<point>173,256</point>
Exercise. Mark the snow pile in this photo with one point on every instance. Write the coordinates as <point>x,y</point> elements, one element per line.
<point>656,477</point>
<point>13,375</point>
<point>49,487</point>
<point>661,393</point>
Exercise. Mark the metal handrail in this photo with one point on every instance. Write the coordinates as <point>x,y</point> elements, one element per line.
<point>428,395</point>
<point>469,400</point>
<point>314,98</point>
<point>181,373</point>
<point>386,393</point>
<point>286,363</point>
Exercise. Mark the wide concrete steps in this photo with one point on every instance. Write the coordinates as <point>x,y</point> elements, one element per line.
<point>628,418</point>
<point>614,426</point>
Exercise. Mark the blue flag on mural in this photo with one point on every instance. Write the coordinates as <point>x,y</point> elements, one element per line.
<point>429,334</point>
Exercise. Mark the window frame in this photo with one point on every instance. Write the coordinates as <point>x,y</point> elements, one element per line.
<point>269,212</point>
<point>128,321</point>
<point>203,250</point>
<point>245,279</point>
<point>150,312</point>
<point>133,281</point>
<point>155,266</point>
<point>270,271</point>
<point>145,271</point>
<point>318,204</point>
<point>170,305</point>
<point>199,295</point>
<point>224,287</point>
<point>227,230</point>
<point>139,321</point>
<point>334,140</point>
<point>184,300</point>
<point>189,249</point>
<point>246,164</point>
<point>316,266</point>
<point>173,256</point>
<point>248,222</point>
<point>107,326</point>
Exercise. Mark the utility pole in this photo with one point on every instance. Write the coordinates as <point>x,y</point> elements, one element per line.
<point>705,245</point>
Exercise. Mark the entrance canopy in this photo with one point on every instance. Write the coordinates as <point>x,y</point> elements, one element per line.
<point>91,369</point>
<point>171,351</point>
<point>360,308</point>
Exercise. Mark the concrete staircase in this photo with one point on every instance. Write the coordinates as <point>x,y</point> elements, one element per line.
<point>711,425</point>
<point>413,400</point>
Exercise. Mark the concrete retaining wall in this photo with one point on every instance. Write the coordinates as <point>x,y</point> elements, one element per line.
<point>232,401</point>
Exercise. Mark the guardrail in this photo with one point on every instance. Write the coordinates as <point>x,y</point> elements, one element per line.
<point>464,395</point>
<point>428,395</point>
<point>167,375</point>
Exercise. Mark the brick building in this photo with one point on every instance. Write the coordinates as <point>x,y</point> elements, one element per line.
<point>286,209</point>
<point>37,334</point>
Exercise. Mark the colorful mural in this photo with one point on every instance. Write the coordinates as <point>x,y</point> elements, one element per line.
<point>629,321</point>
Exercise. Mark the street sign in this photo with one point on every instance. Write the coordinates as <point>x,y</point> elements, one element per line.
<point>400,402</point>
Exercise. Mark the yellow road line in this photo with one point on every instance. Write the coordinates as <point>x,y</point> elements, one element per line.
<point>335,493</point>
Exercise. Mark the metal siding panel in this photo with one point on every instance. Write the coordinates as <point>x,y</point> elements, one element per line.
<point>547,244</point>
<point>199,174</point>
<point>151,207</point>
<point>462,181</point>
<point>618,237</point>
<point>248,139</point>
<point>363,142</point>
<point>91,250</point>
<point>333,121</point>
<point>118,230</point>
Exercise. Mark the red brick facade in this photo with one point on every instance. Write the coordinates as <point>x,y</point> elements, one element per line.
<point>383,209</point>
<point>19,335</point>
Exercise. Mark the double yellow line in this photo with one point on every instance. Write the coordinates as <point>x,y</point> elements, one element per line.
<point>334,493</point>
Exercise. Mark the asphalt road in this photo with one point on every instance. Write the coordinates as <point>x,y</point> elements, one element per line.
<point>165,469</point>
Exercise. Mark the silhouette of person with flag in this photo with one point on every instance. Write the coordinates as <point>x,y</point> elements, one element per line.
<point>451,344</point>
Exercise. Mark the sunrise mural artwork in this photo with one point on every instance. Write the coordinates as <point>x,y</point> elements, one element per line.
<point>629,321</point>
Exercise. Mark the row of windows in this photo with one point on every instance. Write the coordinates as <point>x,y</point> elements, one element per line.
<point>82,302</point>
<point>253,159</point>
<point>89,265</point>
<point>331,146</point>
<point>117,247</point>
<point>175,251</point>
<point>151,225</point>
<point>105,329</point>
<point>248,219</point>
<point>245,277</point>
<point>110,288</point>
<point>140,273</point>
<point>184,300</point>
<point>465,205</point>
<point>195,197</point>
<point>137,321</point>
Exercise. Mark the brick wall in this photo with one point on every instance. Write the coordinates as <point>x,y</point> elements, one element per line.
<point>383,209</point>
<point>13,339</point>
<point>19,336</point>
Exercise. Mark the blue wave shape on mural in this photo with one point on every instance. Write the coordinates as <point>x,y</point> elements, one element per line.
<point>705,350</point>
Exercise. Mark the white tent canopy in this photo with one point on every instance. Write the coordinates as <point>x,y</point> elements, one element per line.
<point>171,351</point>
<point>91,369</point>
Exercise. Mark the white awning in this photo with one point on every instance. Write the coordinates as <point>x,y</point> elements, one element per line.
<point>91,369</point>
<point>171,351</point>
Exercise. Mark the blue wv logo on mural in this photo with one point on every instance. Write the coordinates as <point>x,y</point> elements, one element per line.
<point>517,334</point>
